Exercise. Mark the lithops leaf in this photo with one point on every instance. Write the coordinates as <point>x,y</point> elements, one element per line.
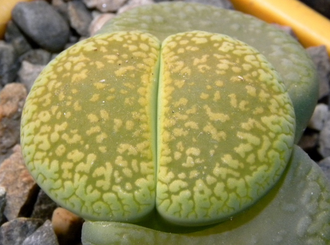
<point>87,127</point>
<point>281,50</point>
<point>295,212</point>
<point>226,128</point>
<point>218,140</point>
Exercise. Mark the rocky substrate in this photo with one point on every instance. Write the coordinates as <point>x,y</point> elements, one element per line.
<point>37,33</point>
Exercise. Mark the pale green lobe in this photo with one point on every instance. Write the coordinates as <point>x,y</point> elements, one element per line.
<point>217,142</point>
<point>282,51</point>
<point>295,212</point>
<point>226,128</point>
<point>87,127</point>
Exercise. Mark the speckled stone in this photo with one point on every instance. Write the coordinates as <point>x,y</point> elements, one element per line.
<point>43,235</point>
<point>14,232</point>
<point>44,206</point>
<point>42,23</point>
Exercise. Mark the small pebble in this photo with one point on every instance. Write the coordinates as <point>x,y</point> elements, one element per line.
<point>42,23</point>
<point>16,38</point>
<point>42,236</point>
<point>80,18</point>
<point>12,98</point>
<point>319,117</point>
<point>324,143</point>
<point>67,226</point>
<point>14,232</point>
<point>98,22</point>
<point>28,73</point>
<point>9,64</point>
<point>37,56</point>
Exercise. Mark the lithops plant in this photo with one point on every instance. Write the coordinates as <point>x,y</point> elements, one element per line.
<point>180,125</point>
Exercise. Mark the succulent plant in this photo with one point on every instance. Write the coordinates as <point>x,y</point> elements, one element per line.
<point>167,121</point>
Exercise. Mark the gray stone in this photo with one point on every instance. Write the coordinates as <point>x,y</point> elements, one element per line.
<point>8,63</point>
<point>44,235</point>
<point>20,186</point>
<point>319,117</point>
<point>320,58</point>
<point>37,56</point>
<point>42,23</point>
<point>14,232</point>
<point>325,166</point>
<point>80,17</point>
<point>12,98</point>
<point>16,38</point>
<point>28,73</point>
<point>44,206</point>
<point>324,142</point>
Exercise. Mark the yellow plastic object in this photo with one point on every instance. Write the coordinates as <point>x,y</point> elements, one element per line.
<point>311,28</point>
<point>6,6</point>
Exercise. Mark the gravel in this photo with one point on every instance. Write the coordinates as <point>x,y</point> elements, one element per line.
<point>37,33</point>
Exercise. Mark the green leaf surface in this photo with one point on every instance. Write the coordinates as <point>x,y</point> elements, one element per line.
<point>199,126</point>
<point>281,50</point>
<point>296,212</point>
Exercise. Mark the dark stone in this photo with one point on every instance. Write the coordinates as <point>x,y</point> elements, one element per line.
<point>321,6</point>
<point>80,17</point>
<point>16,38</point>
<point>44,207</point>
<point>8,63</point>
<point>43,235</point>
<point>37,56</point>
<point>42,23</point>
<point>2,204</point>
<point>14,232</point>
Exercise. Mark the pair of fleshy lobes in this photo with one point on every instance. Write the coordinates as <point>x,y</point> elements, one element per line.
<point>199,126</point>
